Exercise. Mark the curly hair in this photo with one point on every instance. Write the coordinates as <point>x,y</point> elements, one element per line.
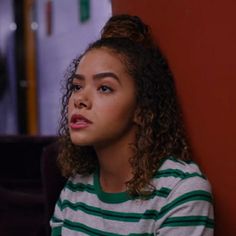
<point>160,127</point>
<point>128,26</point>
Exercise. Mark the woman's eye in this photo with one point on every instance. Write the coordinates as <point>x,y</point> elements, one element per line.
<point>75,87</point>
<point>105,89</point>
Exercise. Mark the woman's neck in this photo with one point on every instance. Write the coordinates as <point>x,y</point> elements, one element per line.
<point>115,169</point>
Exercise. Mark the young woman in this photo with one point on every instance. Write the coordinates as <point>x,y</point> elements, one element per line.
<point>123,144</point>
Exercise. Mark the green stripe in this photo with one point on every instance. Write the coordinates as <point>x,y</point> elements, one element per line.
<point>136,217</point>
<point>75,226</point>
<point>171,158</point>
<point>198,195</point>
<point>176,173</point>
<point>56,231</point>
<point>162,192</point>
<point>110,215</point>
<point>59,203</point>
<point>79,187</point>
<point>188,221</point>
<point>54,219</point>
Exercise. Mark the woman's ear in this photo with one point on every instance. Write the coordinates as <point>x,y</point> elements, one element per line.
<point>138,117</point>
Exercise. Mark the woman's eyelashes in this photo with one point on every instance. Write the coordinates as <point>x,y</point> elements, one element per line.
<point>105,89</point>
<point>101,88</point>
<point>76,87</point>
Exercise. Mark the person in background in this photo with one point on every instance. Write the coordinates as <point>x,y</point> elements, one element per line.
<point>123,145</point>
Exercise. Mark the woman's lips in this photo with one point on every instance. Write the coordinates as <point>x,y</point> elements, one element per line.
<point>79,122</point>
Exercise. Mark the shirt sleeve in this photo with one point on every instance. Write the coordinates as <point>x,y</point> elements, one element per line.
<point>57,219</point>
<point>188,210</point>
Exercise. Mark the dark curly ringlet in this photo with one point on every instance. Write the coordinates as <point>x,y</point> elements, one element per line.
<point>160,130</point>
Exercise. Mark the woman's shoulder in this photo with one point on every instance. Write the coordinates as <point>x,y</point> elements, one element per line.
<point>179,168</point>
<point>78,183</point>
<point>81,180</point>
<point>174,172</point>
<point>188,197</point>
<point>78,178</point>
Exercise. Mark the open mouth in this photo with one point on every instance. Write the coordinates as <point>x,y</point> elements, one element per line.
<point>78,121</point>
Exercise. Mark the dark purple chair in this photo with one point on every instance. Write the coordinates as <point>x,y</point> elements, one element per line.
<point>52,181</point>
<point>22,195</point>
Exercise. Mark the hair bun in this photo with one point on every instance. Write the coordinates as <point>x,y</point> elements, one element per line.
<point>127,26</point>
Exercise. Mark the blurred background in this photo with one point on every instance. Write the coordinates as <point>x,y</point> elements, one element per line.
<point>38,40</point>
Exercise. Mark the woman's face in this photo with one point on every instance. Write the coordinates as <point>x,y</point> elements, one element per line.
<point>103,102</point>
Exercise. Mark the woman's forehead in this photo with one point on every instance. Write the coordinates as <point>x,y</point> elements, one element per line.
<point>101,58</point>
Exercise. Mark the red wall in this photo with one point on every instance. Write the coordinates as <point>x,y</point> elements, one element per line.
<point>199,40</point>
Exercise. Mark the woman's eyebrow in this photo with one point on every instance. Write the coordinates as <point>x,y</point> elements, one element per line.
<point>78,76</point>
<point>103,75</point>
<point>99,76</point>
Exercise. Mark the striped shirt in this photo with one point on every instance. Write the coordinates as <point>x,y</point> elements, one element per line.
<point>180,205</point>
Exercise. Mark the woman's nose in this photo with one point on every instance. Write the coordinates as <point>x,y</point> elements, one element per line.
<point>82,102</point>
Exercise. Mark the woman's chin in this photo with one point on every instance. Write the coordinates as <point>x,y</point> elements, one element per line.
<point>79,141</point>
